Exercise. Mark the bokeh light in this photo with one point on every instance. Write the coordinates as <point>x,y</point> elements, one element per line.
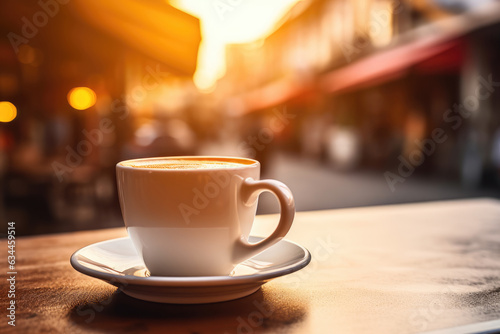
<point>81,98</point>
<point>8,111</point>
<point>28,55</point>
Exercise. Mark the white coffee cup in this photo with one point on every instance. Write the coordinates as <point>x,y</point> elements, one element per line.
<point>191,216</point>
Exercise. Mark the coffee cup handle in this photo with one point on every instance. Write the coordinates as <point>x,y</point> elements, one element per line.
<point>250,191</point>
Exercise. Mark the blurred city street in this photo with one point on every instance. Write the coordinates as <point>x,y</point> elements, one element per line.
<point>317,187</point>
<point>331,96</point>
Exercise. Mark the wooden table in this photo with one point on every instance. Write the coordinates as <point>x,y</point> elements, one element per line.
<point>388,269</point>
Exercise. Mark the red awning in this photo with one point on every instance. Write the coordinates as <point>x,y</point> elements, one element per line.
<point>423,54</point>
<point>385,65</point>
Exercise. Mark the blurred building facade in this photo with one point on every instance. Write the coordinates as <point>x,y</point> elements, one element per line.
<point>402,86</point>
<point>351,83</point>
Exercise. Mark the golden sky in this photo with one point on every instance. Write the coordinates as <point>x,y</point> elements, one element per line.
<point>229,21</point>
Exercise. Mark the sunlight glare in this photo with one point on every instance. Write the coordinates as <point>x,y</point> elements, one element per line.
<point>227,22</point>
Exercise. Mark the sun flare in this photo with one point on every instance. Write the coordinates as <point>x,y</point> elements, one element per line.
<point>226,22</point>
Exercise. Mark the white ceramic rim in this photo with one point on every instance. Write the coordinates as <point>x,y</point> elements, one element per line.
<point>190,281</point>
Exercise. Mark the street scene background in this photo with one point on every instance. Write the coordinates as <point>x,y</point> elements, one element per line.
<point>350,103</point>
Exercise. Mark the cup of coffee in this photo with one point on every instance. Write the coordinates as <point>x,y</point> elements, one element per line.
<point>191,216</point>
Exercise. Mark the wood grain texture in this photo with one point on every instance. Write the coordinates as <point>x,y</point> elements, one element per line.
<point>388,269</point>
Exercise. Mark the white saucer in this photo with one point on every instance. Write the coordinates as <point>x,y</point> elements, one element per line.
<point>116,262</point>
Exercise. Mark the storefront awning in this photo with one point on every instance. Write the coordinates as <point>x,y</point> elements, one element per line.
<point>154,28</point>
<point>384,66</point>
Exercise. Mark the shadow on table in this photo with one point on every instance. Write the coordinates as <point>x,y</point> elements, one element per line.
<point>121,313</point>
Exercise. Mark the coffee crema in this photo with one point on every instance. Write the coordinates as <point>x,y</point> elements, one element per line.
<point>183,164</point>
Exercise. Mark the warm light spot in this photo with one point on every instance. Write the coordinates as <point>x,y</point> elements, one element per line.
<point>228,22</point>
<point>81,98</point>
<point>29,55</point>
<point>381,25</point>
<point>8,111</point>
